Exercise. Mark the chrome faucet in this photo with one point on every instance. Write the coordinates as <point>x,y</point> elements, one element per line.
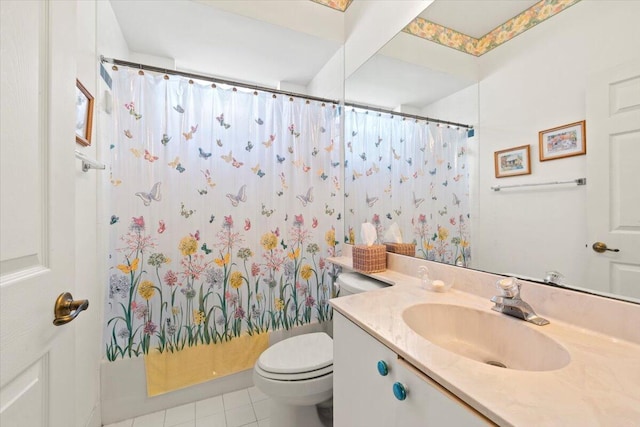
<point>510,303</point>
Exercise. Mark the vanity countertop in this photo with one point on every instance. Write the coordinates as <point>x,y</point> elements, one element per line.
<point>599,387</point>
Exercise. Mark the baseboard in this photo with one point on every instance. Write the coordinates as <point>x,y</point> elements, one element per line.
<point>94,419</point>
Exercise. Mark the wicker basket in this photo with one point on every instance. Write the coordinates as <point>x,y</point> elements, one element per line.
<point>369,259</point>
<point>402,248</point>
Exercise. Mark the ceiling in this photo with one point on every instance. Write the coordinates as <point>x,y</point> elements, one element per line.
<point>276,43</point>
<point>206,38</point>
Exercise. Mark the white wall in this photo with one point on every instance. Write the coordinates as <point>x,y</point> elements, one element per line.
<point>538,81</point>
<point>110,43</point>
<point>89,283</point>
<point>329,82</point>
<point>91,249</point>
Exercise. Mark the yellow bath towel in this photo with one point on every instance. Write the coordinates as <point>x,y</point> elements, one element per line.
<point>193,365</point>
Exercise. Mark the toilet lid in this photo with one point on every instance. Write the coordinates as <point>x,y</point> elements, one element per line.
<point>354,283</point>
<point>302,353</point>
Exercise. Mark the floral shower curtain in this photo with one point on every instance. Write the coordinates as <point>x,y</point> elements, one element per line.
<point>412,173</point>
<point>224,204</point>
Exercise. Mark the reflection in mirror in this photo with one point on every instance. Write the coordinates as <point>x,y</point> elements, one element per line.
<point>401,166</point>
<point>415,174</point>
<point>515,89</point>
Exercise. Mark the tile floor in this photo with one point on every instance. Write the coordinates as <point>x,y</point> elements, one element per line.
<point>244,408</point>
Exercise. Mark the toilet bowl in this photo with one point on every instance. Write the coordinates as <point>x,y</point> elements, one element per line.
<point>297,373</point>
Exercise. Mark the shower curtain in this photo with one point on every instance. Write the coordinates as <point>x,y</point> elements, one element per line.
<point>410,172</point>
<point>225,203</point>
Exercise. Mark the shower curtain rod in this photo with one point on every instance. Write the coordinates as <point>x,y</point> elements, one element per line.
<point>212,79</point>
<point>409,116</point>
<point>153,68</point>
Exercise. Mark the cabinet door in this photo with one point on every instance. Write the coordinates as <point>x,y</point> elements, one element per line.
<point>429,404</point>
<point>361,396</point>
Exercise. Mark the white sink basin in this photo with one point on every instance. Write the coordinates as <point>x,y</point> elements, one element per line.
<point>486,337</point>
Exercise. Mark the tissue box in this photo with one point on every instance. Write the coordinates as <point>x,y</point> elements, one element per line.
<point>369,259</point>
<point>402,248</point>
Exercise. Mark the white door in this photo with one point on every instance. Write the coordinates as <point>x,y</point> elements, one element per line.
<point>613,180</point>
<point>37,142</point>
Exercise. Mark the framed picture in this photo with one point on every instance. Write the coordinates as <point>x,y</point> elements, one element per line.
<point>564,141</point>
<point>513,161</point>
<point>84,114</point>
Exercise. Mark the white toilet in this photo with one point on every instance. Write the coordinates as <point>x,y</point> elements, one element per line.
<point>297,373</point>
<point>354,283</point>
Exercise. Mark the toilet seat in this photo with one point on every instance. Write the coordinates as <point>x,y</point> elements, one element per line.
<point>298,358</point>
<point>301,376</point>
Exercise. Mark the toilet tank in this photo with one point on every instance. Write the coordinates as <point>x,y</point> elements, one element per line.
<point>354,283</point>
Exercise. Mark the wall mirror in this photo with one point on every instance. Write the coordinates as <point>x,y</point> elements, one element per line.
<point>520,230</point>
<point>508,94</point>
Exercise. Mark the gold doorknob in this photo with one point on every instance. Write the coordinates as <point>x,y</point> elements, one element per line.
<point>602,247</point>
<point>66,309</point>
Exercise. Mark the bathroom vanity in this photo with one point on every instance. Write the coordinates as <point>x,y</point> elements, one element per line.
<point>373,386</point>
<point>438,351</point>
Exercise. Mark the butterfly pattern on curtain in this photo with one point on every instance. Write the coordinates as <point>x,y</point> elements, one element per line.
<point>412,173</point>
<point>225,205</point>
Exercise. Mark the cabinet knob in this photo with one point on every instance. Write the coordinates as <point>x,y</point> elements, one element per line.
<point>399,391</point>
<point>383,369</point>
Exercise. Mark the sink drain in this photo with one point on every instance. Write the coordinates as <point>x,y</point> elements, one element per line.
<point>494,363</point>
